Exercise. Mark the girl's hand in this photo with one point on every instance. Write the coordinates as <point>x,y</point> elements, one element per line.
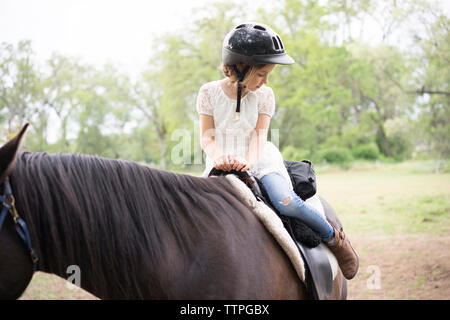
<point>224,162</point>
<point>228,162</point>
<point>240,164</point>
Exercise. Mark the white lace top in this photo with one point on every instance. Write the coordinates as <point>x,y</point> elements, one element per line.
<point>233,135</point>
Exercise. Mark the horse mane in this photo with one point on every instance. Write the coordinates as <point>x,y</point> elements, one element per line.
<point>106,215</point>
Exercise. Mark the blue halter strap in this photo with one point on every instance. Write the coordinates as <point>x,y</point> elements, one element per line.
<point>7,205</point>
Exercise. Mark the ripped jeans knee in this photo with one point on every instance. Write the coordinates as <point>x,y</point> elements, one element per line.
<point>288,203</point>
<point>286,200</point>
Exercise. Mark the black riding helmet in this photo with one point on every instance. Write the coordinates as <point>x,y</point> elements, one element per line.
<point>252,44</point>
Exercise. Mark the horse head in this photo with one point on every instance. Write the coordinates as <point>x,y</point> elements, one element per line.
<point>8,153</point>
<point>16,267</point>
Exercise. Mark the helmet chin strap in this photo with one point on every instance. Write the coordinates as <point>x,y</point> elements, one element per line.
<point>241,75</point>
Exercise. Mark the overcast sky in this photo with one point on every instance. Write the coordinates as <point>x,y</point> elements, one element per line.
<point>98,31</point>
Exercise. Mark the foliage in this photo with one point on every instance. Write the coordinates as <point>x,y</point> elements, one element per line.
<point>344,98</point>
<point>20,85</point>
<point>367,152</point>
<point>295,154</point>
<point>398,134</point>
<point>336,155</point>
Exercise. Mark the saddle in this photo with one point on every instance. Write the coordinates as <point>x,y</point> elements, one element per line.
<point>297,229</point>
<point>319,277</point>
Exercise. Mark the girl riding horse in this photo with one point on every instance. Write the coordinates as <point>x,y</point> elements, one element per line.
<point>235,115</point>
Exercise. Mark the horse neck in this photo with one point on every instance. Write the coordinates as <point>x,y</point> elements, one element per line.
<point>87,230</point>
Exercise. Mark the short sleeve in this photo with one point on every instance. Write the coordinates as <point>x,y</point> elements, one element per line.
<point>204,105</point>
<point>266,101</point>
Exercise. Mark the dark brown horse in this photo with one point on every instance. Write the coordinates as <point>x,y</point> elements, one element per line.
<point>138,233</point>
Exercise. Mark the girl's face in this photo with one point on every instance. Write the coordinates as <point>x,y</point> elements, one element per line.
<point>260,77</point>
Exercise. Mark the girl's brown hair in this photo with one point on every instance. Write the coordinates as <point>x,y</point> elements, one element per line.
<point>230,73</point>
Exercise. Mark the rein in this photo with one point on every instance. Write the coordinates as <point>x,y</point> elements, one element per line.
<point>8,205</point>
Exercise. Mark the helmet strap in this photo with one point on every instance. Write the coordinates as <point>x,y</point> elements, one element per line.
<point>240,75</point>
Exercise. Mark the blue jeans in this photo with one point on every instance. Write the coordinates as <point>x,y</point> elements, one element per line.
<point>279,191</point>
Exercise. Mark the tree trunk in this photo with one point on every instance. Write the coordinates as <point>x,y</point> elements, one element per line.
<point>379,122</point>
<point>384,139</point>
<point>438,164</point>
<point>162,146</point>
<point>160,134</point>
<point>64,141</point>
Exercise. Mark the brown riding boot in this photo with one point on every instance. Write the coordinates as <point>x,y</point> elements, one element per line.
<point>345,254</point>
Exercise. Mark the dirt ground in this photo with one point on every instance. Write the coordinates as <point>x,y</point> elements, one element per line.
<point>391,267</point>
<point>402,267</point>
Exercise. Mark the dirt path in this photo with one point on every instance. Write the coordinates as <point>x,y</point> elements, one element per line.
<point>402,267</point>
<point>391,267</point>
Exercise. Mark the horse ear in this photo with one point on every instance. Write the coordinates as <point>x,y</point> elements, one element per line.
<point>8,153</point>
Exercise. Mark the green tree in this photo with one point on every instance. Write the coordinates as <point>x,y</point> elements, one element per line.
<point>432,85</point>
<point>431,79</point>
<point>313,95</point>
<point>380,71</point>
<point>20,87</point>
<point>167,90</point>
<point>103,106</point>
<point>63,83</point>
<point>147,98</point>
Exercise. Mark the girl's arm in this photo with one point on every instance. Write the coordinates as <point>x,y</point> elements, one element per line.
<point>258,139</point>
<point>207,136</point>
<point>207,142</point>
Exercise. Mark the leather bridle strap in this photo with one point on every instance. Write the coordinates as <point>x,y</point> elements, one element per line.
<point>7,203</point>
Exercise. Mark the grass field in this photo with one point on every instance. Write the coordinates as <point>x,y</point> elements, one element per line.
<point>397,217</point>
<point>388,202</point>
